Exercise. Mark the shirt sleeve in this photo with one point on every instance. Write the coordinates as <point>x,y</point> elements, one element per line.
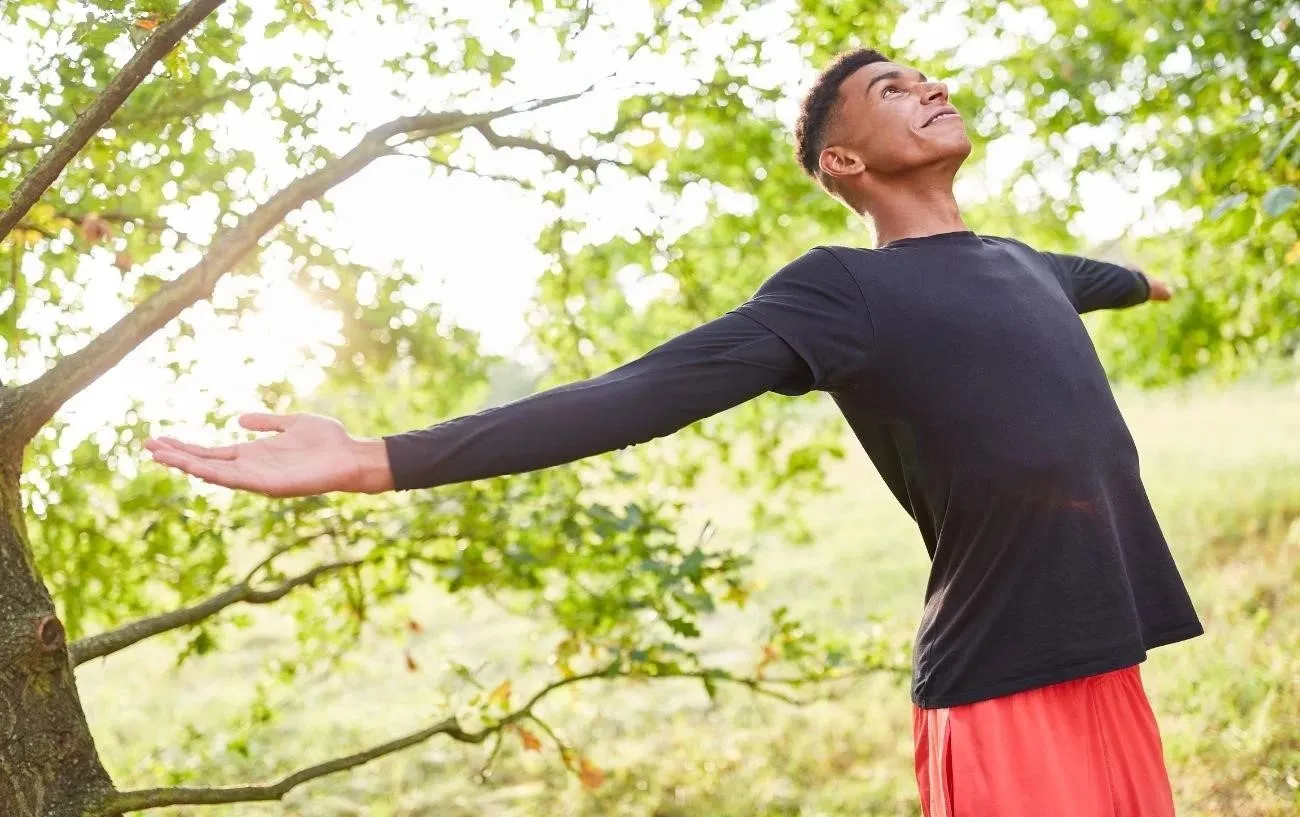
<point>700,373</point>
<point>1096,284</point>
<point>817,307</point>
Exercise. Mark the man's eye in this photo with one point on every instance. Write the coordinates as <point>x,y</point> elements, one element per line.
<point>889,88</point>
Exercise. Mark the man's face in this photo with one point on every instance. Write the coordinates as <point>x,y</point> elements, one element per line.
<point>894,120</point>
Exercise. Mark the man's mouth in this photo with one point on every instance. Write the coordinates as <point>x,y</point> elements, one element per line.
<point>942,114</point>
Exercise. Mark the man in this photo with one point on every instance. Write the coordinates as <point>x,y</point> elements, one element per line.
<point>961,364</point>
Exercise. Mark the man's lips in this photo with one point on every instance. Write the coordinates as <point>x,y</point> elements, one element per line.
<point>946,112</point>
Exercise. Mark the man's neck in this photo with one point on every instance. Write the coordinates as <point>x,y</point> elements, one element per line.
<point>916,211</point>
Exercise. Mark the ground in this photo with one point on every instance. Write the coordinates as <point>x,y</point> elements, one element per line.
<point>1222,468</point>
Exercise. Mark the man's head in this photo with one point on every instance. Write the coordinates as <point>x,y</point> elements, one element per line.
<point>868,123</point>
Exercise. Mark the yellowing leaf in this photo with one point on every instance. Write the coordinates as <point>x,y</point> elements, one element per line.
<point>737,594</point>
<point>146,287</point>
<point>500,696</point>
<point>1293,254</point>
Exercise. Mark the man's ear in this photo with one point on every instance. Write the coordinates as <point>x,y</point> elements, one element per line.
<point>840,163</point>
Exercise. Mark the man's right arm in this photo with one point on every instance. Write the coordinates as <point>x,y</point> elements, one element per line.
<point>709,369</point>
<point>806,328</point>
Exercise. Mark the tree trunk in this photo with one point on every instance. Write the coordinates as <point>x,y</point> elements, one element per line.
<point>48,763</point>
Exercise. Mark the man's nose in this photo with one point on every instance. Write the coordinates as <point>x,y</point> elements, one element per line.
<point>935,92</point>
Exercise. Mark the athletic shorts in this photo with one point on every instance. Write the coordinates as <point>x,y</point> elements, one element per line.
<point>1083,748</point>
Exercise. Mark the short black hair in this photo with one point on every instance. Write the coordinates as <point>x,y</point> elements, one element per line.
<point>821,101</point>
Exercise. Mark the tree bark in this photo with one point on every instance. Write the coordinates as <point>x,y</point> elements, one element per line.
<point>48,763</point>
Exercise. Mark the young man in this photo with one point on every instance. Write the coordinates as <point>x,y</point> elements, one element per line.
<point>961,364</point>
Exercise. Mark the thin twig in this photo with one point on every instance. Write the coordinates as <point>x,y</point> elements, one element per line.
<point>485,771</point>
<point>19,147</point>
<point>562,158</point>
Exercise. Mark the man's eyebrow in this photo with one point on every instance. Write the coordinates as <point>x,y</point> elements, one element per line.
<point>895,74</point>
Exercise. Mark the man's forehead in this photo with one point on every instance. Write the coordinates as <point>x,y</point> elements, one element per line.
<point>864,75</point>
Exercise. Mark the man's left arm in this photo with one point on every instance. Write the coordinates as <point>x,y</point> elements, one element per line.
<point>1102,285</point>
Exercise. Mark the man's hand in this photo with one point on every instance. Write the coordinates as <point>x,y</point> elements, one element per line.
<point>1160,291</point>
<point>310,455</point>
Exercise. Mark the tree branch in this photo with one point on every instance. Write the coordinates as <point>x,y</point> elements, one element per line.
<point>39,400</point>
<point>19,147</point>
<point>98,646</point>
<point>159,798</point>
<point>562,158</point>
<point>52,163</point>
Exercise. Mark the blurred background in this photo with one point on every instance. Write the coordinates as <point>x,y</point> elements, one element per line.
<point>479,266</point>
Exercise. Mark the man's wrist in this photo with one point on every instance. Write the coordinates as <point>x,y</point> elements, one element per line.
<point>374,472</point>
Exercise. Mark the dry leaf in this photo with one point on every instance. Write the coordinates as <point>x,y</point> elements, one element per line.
<point>147,23</point>
<point>530,741</point>
<point>123,261</point>
<point>590,774</point>
<point>94,228</point>
<point>410,662</point>
<point>414,626</point>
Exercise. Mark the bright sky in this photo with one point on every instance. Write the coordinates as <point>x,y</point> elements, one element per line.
<point>470,240</point>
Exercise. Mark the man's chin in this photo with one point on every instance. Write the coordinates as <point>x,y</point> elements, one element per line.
<point>954,149</point>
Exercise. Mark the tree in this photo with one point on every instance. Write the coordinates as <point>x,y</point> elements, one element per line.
<point>128,124</point>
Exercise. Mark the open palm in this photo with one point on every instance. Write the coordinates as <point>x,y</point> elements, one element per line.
<point>310,455</point>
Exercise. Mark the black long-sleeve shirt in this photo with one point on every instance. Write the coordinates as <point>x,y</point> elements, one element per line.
<point>962,366</point>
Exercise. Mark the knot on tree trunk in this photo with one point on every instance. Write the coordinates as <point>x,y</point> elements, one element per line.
<point>34,644</point>
<point>50,634</point>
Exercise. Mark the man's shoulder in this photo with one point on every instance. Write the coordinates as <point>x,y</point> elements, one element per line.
<point>1008,240</point>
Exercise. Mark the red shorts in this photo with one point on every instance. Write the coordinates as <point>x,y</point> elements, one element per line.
<point>1083,748</point>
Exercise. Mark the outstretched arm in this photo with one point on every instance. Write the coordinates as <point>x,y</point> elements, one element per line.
<point>698,374</point>
<point>1101,285</point>
<point>705,371</point>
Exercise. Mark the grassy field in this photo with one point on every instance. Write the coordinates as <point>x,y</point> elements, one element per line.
<point>1223,469</point>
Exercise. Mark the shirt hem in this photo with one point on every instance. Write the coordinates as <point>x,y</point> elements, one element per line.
<point>1061,674</point>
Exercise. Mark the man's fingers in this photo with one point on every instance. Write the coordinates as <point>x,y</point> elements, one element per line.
<point>264,422</point>
<point>216,472</point>
<point>215,452</point>
<point>1160,290</point>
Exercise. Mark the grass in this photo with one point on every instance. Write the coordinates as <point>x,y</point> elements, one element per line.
<point>1222,468</point>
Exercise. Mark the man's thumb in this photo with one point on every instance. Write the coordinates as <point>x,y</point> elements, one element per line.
<point>264,422</point>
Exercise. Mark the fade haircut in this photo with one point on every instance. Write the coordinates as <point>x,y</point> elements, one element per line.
<point>820,103</point>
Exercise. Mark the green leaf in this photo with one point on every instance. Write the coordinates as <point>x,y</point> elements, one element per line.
<point>1225,204</point>
<point>1281,146</point>
<point>1279,199</point>
<point>710,687</point>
